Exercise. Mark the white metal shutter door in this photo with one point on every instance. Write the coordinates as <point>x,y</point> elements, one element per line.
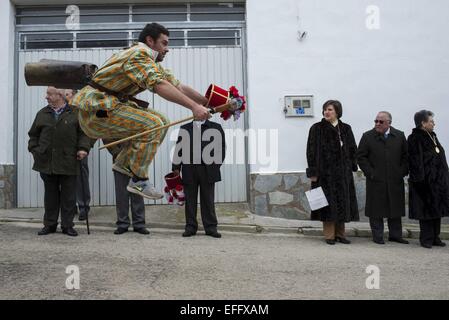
<point>196,67</point>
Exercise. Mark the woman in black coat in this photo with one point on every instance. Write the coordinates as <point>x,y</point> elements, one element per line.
<point>428,180</point>
<point>331,158</point>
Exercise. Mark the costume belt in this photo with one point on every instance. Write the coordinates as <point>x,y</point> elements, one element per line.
<point>119,95</point>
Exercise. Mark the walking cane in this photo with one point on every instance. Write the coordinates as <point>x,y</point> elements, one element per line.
<point>84,197</point>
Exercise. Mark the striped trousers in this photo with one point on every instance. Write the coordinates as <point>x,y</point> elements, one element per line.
<point>121,122</point>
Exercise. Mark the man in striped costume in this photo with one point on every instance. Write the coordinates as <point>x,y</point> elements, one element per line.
<point>109,110</point>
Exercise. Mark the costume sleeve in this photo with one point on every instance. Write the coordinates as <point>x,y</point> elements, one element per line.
<point>143,71</point>
<point>168,75</point>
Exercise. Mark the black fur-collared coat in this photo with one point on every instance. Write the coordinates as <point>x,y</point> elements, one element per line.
<point>428,178</point>
<point>334,165</point>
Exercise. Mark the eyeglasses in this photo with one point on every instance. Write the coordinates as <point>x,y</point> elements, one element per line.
<point>379,121</point>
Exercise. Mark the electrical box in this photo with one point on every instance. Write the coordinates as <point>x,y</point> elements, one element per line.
<point>298,106</point>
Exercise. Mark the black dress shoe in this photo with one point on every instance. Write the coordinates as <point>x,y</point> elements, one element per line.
<point>426,245</point>
<point>142,230</point>
<point>342,240</point>
<point>70,232</point>
<point>330,241</point>
<point>120,231</point>
<point>214,234</point>
<point>439,243</point>
<point>46,230</point>
<point>398,240</point>
<point>379,241</point>
<point>188,233</point>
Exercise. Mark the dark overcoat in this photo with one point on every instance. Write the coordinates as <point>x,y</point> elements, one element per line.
<point>54,143</point>
<point>384,162</point>
<point>429,177</point>
<point>334,165</point>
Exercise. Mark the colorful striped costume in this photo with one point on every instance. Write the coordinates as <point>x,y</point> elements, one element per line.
<point>130,71</point>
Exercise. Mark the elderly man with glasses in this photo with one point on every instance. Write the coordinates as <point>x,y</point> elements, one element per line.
<point>382,156</point>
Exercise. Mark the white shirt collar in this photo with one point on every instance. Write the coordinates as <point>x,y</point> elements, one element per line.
<point>198,123</point>
<point>387,132</point>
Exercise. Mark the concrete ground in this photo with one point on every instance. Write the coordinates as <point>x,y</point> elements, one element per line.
<point>240,265</point>
<point>257,258</point>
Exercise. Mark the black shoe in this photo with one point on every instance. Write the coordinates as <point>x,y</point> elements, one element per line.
<point>188,233</point>
<point>342,240</point>
<point>214,234</point>
<point>46,230</point>
<point>142,230</point>
<point>439,243</point>
<point>120,231</point>
<point>330,241</point>
<point>379,241</point>
<point>398,240</point>
<point>426,245</point>
<point>70,232</point>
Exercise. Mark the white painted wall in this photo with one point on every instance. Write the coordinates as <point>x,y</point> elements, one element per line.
<point>402,67</point>
<point>6,82</point>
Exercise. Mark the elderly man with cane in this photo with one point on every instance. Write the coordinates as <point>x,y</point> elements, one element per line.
<point>57,143</point>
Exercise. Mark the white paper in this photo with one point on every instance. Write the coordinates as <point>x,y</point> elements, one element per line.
<point>316,198</point>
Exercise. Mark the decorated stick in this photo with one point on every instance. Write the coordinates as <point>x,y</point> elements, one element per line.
<point>221,108</point>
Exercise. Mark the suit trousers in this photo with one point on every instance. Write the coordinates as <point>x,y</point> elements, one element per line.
<point>122,203</point>
<point>394,228</point>
<point>207,201</point>
<point>429,231</point>
<point>82,188</point>
<point>59,196</point>
<point>333,229</point>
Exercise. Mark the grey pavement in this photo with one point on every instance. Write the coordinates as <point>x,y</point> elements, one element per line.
<point>231,217</point>
<point>240,265</point>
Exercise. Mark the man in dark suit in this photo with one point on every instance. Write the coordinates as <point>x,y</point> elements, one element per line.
<point>200,152</point>
<point>125,199</point>
<point>382,156</point>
